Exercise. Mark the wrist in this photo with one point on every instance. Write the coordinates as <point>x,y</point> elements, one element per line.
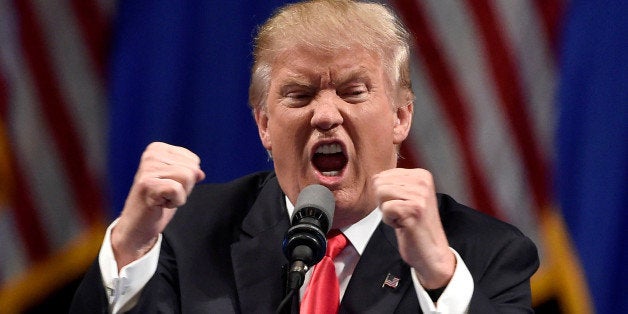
<point>437,275</point>
<point>130,246</point>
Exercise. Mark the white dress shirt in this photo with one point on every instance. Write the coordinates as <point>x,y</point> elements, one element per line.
<point>123,288</point>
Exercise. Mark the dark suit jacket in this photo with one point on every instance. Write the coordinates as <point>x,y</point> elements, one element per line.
<point>221,253</point>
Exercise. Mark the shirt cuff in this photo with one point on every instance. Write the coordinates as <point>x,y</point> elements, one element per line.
<point>123,288</point>
<point>456,296</point>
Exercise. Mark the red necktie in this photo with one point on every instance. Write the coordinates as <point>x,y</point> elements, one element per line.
<point>323,294</point>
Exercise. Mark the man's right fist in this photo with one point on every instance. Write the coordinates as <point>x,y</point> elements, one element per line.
<point>165,177</point>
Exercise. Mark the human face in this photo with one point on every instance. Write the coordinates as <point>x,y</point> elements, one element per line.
<point>330,120</point>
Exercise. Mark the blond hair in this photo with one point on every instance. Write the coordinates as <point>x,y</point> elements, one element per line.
<point>330,25</point>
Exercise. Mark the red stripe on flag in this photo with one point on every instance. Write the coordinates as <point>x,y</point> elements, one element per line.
<point>93,26</point>
<point>506,79</point>
<point>449,96</point>
<point>22,206</point>
<point>4,96</point>
<point>27,219</point>
<point>551,12</point>
<point>56,114</point>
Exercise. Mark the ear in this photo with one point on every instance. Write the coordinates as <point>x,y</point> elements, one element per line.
<point>261,119</point>
<point>403,122</point>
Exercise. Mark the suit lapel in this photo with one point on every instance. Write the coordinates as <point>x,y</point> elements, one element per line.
<point>367,292</point>
<point>257,256</point>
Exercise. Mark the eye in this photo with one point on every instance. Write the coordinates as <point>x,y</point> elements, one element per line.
<point>354,93</point>
<point>298,97</point>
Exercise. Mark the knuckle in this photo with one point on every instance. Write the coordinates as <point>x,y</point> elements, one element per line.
<point>143,182</point>
<point>190,173</point>
<point>148,156</point>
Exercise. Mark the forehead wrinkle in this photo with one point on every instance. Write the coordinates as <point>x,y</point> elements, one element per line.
<point>288,76</point>
<point>326,72</point>
<point>352,75</point>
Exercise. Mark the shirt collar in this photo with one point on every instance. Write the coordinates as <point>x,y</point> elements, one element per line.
<point>358,233</point>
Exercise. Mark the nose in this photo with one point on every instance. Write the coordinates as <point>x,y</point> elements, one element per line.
<point>326,115</point>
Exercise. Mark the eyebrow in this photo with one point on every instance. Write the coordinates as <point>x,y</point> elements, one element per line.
<point>359,74</point>
<point>298,78</point>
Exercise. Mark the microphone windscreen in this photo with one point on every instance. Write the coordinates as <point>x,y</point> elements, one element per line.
<point>319,197</point>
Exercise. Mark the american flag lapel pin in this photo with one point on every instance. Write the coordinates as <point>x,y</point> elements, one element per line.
<point>391,281</point>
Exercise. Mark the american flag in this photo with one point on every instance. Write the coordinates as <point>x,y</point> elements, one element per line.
<point>391,281</point>
<point>485,76</point>
<point>52,144</point>
<point>485,73</point>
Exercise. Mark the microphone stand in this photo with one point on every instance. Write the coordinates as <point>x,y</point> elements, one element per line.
<point>294,281</point>
<point>289,296</point>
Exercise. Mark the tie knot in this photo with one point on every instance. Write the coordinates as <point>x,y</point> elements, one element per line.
<point>336,242</point>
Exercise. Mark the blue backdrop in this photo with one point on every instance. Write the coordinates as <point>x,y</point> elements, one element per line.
<point>593,145</point>
<point>180,74</point>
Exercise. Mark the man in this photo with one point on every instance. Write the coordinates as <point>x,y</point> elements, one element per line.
<point>332,99</point>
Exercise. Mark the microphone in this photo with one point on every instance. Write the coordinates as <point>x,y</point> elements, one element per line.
<point>305,243</point>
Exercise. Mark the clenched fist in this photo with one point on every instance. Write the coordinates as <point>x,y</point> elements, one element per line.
<point>407,199</point>
<point>164,179</point>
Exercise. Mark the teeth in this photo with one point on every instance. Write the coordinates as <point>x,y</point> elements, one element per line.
<point>330,173</point>
<point>329,149</point>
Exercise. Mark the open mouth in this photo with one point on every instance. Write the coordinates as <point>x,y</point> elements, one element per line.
<point>329,159</point>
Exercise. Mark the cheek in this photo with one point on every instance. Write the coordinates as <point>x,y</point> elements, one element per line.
<point>379,124</point>
<point>375,135</point>
<point>287,127</point>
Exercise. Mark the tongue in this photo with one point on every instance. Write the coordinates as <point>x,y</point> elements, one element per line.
<point>329,162</point>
